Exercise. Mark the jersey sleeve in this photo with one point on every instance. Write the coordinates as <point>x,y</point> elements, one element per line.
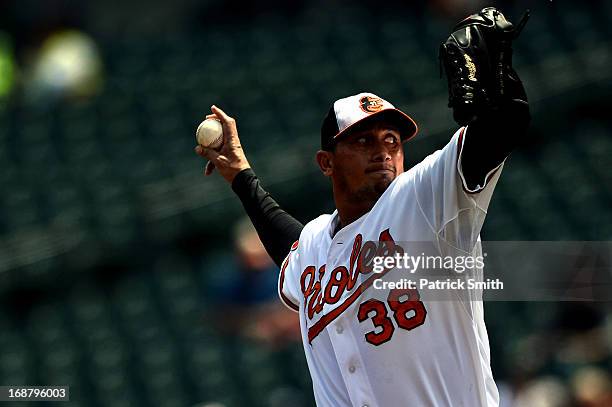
<point>455,212</point>
<point>288,288</point>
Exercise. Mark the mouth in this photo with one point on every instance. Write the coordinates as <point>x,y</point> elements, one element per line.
<point>381,170</point>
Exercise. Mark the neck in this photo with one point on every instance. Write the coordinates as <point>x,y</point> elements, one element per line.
<point>350,211</point>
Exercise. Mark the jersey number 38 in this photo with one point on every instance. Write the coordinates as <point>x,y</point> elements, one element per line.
<point>407,308</point>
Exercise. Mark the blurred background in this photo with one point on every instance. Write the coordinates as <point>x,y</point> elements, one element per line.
<point>127,275</point>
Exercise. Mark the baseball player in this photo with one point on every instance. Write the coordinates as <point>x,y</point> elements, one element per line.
<point>398,350</point>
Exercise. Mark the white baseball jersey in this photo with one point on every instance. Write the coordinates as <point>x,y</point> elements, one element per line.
<point>363,351</point>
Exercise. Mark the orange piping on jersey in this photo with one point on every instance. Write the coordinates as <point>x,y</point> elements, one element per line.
<point>281,281</point>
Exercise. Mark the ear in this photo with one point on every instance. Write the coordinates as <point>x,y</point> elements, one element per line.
<point>325,159</point>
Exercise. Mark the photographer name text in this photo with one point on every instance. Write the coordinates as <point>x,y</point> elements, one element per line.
<point>448,284</point>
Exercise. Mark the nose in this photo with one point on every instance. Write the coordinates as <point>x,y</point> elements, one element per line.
<point>380,153</point>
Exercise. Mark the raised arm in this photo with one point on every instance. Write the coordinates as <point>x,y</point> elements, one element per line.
<point>276,228</point>
<point>485,92</point>
<point>489,140</point>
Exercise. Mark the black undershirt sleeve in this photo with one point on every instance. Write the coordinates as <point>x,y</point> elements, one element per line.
<point>275,227</point>
<point>490,138</point>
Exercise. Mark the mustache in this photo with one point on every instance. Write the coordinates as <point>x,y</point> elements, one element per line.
<point>381,166</point>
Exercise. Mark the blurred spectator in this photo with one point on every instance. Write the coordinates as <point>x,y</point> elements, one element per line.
<point>543,392</point>
<point>255,281</point>
<point>68,64</point>
<point>248,293</point>
<point>592,387</point>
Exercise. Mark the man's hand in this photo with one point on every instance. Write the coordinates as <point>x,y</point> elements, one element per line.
<point>230,159</point>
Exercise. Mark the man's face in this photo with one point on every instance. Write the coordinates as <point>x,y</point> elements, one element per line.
<point>367,160</point>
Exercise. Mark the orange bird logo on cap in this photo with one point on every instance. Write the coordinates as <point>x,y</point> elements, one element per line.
<point>370,104</point>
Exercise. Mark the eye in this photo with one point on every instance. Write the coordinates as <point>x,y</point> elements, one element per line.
<point>361,140</point>
<point>391,139</point>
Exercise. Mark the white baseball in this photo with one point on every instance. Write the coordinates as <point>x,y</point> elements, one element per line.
<point>210,134</point>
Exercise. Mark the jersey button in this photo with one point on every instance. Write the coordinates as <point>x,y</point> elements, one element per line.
<point>339,328</point>
<point>352,368</point>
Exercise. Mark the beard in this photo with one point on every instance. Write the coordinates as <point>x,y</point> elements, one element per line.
<point>371,191</point>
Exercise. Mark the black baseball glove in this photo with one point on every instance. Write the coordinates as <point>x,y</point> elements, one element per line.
<point>477,58</point>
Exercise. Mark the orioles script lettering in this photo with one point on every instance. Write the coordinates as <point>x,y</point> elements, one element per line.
<point>344,279</point>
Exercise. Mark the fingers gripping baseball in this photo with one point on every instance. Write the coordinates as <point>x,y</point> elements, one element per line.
<point>230,158</point>
<point>210,167</point>
<point>230,131</point>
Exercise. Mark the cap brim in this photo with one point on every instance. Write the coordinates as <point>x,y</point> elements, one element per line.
<point>406,126</point>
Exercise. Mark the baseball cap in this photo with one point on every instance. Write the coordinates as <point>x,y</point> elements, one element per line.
<point>346,113</point>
